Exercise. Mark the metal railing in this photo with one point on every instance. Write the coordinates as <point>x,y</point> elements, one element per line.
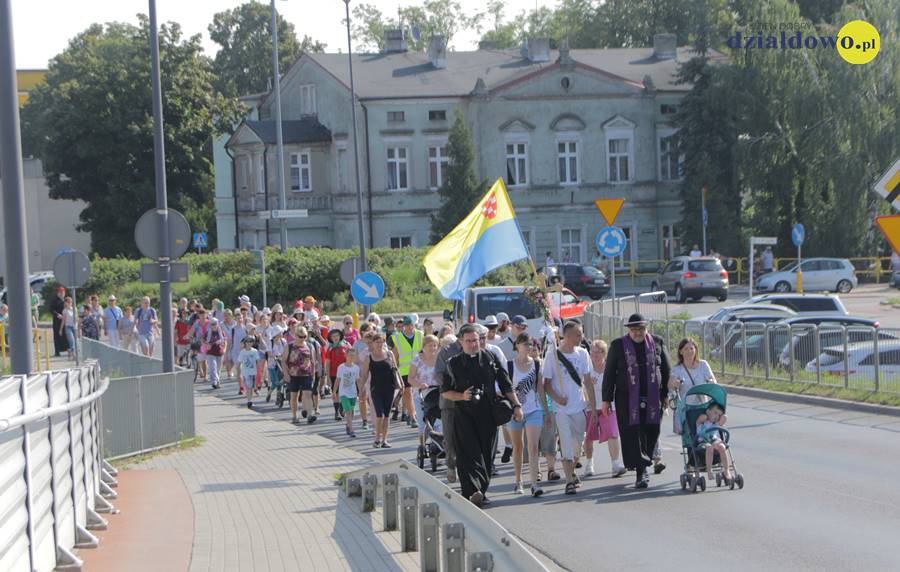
<point>116,362</point>
<point>852,357</point>
<point>449,532</point>
<point>53,478</point>
<point>41,337</point>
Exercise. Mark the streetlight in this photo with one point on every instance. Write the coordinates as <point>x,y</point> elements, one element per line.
<point>279,139</point>
<point>359,201</point>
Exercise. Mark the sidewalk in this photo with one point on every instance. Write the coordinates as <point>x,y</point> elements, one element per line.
<point>264,498</point>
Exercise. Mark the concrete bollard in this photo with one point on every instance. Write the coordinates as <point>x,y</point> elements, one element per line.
<point>454,550</point>
<point>353,487</point>
<point>409,518</point>
<point>391,486</point>
<point>481,562</point>
<point>369,487</point>
<point>429,533</point>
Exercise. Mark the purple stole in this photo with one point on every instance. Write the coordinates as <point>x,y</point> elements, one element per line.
<point>654,413</point>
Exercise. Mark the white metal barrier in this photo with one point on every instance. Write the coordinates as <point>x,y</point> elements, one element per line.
<point>53,480</point>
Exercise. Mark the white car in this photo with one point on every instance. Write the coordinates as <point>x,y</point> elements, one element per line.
<point>860,360</point>
<point>36,281</point>
<point>822,304</point>
<point>819,274</point>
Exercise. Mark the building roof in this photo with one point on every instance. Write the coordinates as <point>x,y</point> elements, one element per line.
<point>410,74</point>
<point>306,130</point>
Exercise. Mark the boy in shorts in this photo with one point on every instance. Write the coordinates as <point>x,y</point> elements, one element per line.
<point>247,360</point>
<point>348,377</point>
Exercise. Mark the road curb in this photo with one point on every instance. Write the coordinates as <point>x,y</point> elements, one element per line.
<point>829,402</point>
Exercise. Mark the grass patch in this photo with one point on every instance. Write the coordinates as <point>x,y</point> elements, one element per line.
<point>818,390</point>
<point>682,315</point>
<point>183,444</point>
<point>893,301</point>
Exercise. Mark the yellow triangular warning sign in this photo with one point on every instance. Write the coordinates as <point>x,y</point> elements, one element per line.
<point>890,227</point>
<point>609,208</point>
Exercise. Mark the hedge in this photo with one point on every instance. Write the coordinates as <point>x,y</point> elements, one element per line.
<point>289,276</point>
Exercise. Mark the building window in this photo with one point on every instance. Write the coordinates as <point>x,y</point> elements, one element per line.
<point>308,99</point>
<point>668,109</point>
<point>260,172</point>
<point>516,164</point>
<point>619,159</point>
<point>397,168</point>
<point>627,254</point>
<point>401,241</point>
<point>301,177</point>
<point>342,169</point>
<point>570,244</point>
<point>567,153</point>
<point>669,161</point>
<point>437,115</point>
<point>671,243</point>
<point>437,165</point>
<point>394,116</point>
<point>527,236</point>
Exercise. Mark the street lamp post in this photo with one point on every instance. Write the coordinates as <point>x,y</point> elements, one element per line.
<point>359,200</point>
<point>279,138</point>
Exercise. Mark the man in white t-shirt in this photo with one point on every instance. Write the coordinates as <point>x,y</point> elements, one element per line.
<point>565,380</point>
<point>696,253</point>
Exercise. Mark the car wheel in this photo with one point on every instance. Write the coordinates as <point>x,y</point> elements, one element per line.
<point>782,287</point>
<point>722,297</point>
<point>679,294</point>
<point>844,286</point>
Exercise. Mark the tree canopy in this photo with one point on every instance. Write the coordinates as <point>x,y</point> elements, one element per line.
<point>461,190</point>
<point>431,18</point>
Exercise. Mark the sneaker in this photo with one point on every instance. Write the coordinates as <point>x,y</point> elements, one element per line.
<point>352,435</point>
<point>386,445</point>
<point>536,491</point>
<point>249,405</point>
<point>507,453</point>
<point>337,417</point>
<point>311,420</point>
<point>365,425</point>
<point>377,444</point>
<point>553,476</point>
<point>588,472</point>
<point>304,413</point>
<point>477,499</point>
<point>618,469</point>
<point>643,481</point>
<point>215,386</point>
<point>517,490</point>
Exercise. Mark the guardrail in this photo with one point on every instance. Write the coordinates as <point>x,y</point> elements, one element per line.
<point>853,357</point>
<point>41,338</point>
<point>53,478</point>
<point>117,362</point>
<point>450,534</point>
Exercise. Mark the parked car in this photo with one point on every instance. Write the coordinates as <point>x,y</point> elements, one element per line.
<point>830,333</point>
<point>685,277</point>
<point>803,303</point>
<point>566,304</point>
<point>739,312</point>
<point>750,331</point>
<point>36,281</point>
<point>820,274</point>
<point>581,279</point>
<point>479,303</point>
<point>860,360</point>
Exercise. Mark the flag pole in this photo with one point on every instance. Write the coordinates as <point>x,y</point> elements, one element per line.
<point>539,279</point>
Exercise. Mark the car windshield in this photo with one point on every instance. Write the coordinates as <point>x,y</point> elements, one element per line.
<point>789,268</point>
<point>593,272</point>
<point>513,303</point>
<point>704,266</point>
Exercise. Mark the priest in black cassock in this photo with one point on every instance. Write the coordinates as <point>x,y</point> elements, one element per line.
<point>56,306</point>
<point>469,381</point>
<point>636,379</point>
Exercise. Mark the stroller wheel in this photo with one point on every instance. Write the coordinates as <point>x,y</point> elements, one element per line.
<point>684,481</point>
<point>739,479</point>
<point>694,482</point>
<point>703,484</point>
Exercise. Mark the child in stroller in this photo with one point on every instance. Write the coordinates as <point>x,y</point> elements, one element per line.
<point>431,439</point>
<point>704,440</point>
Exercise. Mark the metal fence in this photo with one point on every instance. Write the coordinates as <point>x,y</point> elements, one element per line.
<point>147,412</point>
<point>53,480</point>
<point>116,362</point>
<point>853,357</point>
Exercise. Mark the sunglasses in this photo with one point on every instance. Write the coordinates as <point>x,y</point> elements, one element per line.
<point>348,323</point>
<point>301,337</point>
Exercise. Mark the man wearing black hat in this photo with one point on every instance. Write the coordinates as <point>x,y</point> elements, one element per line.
<point>636,380</point>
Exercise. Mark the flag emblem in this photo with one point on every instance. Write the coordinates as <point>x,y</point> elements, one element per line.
<point>489,210</point>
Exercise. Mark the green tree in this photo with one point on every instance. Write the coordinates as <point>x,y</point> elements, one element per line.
<point>91,122</point>
<point>431,18</point>
<point>243,64</point>
<point>461,190</point>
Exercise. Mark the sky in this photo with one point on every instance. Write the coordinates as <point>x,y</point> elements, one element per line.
<point>43,28</point>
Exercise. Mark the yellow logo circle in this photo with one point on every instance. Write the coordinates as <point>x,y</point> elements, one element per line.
<point>858,42</point>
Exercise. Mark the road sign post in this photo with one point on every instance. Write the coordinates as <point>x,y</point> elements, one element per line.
<point>798,235</point>
<point>611,243</point>
<point>754,241</point>
<point>705,217</point>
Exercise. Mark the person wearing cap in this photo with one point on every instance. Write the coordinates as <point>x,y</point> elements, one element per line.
<point>335,354</point>
<point>636,379</point>
<point>216,344</point>
<point>309,308</point>
<point>406,345</point>
<point>245,303</point>
<point>503,320</point>
<point>388,327</point>
<point>112,315</point>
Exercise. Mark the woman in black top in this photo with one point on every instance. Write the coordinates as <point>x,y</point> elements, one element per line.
<point>385,382</point>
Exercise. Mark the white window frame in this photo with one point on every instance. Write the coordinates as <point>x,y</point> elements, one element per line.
<point>395,162</point>
<point>568,140</point>
<point>300,168</point>
<point>400,238</point>
<point>563,247</point>
<point>308,99</point>
<point>259,172</point>
<point>529,235</point>
<point>663,133</point>
<point>440,161</point>
<point>619,133</point>
<point>516,141</point>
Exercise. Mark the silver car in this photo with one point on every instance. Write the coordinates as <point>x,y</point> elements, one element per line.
<point>819,274</point>
<point>686,277</point>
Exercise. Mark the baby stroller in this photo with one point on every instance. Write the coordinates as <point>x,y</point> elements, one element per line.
<point>697,400</point>
<point>434,438</point>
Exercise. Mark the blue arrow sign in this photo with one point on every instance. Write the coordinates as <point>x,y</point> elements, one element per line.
<point>611,241</point>
<point>705,217</point>
<point>798,234</point>
<point>367,288</point>
<point>200,240</point>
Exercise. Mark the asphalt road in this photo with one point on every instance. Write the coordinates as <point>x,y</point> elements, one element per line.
<point>818,496</point>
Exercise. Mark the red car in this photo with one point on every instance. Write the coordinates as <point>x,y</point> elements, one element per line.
<point>566,305</point>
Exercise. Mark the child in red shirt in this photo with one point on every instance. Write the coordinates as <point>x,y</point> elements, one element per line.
<point>182,339</point>
<point>335,354</point>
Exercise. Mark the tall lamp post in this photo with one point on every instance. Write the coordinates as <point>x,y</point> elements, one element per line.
<point>279,138</point>
<point>359,200</point>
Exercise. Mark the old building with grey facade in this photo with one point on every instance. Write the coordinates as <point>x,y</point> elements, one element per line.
<point>562,127</point>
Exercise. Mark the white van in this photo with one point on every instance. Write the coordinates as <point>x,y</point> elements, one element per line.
<point>479,303</point>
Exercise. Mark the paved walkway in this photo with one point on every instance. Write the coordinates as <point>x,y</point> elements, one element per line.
<point>264,498</point>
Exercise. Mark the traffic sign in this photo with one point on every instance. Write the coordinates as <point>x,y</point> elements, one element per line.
<point>349,269</point>
<point>888,186</point>
<point>611,241</point>
<point>152,272</point>
<point>764,240</point>
<point>609,208</point>
<point>200,240</point>
<point>292,213</point>
<point>367,288</point>
<point>146,234</point>
<point>72,269</point>
<point>798,234</point>
<point>890,227</point>
<point>705,217</point>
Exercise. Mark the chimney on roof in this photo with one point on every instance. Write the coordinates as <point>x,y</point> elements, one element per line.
<point>437,51</point>
<point>537,49</point>
<point>664,46</point>
<point>395,41</point>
